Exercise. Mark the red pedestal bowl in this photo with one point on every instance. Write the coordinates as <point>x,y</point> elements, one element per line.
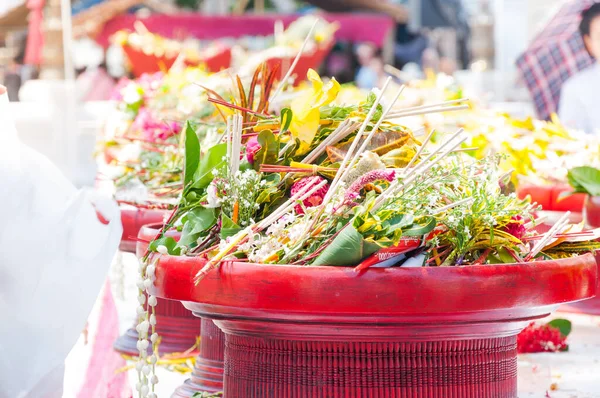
<point>591,216</point>
<point>176,326</point>
<point>133,218</point>
<point>294,331</point>
<point>591,211</point>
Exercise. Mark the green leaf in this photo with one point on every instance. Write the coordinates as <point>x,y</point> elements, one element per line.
<point>398,221</point>
<point>228,227</point>
<point>368,104</point>
<point>349,248</point>
<point>420,227</point>
<point>286,120</point>
<point>563,325</point>
<point>585,180</point>
<point>199,220</point>
<point>192,154</point>
<point>269,149</point>
<point>213,158</point>
<point>168,242</point>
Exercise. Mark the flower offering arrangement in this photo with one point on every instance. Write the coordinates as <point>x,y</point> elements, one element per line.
<point>340,195</point>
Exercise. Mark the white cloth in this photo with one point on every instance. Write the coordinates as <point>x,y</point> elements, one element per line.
<point>580,100</point>
<point>54,257</point>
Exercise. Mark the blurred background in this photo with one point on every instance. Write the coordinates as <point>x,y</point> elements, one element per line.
<point>61,59</point>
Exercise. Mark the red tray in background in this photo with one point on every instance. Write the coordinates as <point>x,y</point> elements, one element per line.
<point>141,62</point>
<point>547,196</point>
<point>133,218</point>
<point>590,306</point>
<point>293,331</point>
<point>308,60</point>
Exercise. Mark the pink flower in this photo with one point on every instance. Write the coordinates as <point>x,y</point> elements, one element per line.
<point>313,200</point>
<point>252,146</point>
<point>151,82</point>
<point>516,227</point>
<point>152,128</point>
<point>116,94</point>
<point>374,175</point>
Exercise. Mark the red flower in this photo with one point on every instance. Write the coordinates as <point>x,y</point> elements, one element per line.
<point>516,227</point>
<point>252,146</point>
<point>540,338</point>
<point>313,200</point>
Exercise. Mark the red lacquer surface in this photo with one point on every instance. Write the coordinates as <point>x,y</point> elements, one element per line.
<point>176,326</point>
<point>133,218</point>
<point>414,332</point>
<point>208,370</point>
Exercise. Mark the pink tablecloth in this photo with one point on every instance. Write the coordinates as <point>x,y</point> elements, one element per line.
<point>375,28</point>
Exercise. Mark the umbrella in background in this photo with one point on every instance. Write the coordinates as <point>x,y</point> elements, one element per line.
<point>556,53</point>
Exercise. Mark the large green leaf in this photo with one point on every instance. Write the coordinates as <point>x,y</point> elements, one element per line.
<point>349,248</point>
<point>585,180</point>
<point>269,149</point>
<point>213,158</point>
<point>192,154</point>
<point>198,221</point>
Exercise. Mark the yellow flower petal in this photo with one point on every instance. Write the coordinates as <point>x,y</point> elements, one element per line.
<point>306,109</point>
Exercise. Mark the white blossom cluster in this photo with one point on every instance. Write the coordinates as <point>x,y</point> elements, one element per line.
<point>242,189</point>
<point>279,237</point>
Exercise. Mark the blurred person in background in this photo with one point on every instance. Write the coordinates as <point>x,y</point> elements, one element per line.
<point>93,81</point>
<point>579,97</point>
<point>17,73</point>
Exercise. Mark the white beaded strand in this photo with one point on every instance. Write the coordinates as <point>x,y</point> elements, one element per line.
<point>146,328</point>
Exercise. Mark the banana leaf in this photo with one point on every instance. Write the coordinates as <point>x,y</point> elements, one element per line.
<point>349,248</point>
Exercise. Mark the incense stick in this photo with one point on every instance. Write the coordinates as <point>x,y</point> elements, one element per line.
<point>354,144</point>
<point>434,105</point>
<point>414,159</point>
<point>283,81</point>
<point>427,111</point>
<point>367,140</point>
<point>557,227</point>
<point>452,205</point>
<point>257,227</point>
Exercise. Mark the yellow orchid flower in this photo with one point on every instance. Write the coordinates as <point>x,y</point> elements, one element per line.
<point>306,109</point>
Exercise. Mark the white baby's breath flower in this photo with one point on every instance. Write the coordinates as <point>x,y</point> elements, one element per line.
<point>131,94</point>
